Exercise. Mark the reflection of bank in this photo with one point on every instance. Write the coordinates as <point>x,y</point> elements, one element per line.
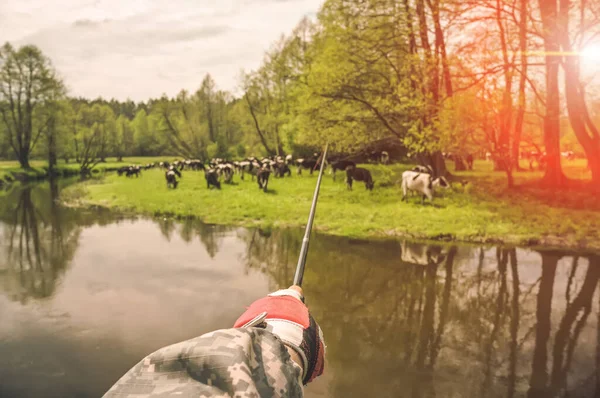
<point>404,319</point>
<point>210,235</point>
<point>553,380</point>
<point>38,242</point>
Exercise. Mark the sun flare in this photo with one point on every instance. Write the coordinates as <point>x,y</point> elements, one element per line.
<point>591,53</point>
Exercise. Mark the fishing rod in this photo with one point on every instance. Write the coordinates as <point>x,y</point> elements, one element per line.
<point>304,249</point>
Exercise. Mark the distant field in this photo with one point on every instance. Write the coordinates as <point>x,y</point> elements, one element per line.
<point>482,211</point>
<point>8,168</point>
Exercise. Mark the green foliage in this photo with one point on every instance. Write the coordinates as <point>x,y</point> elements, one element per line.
<point>212,150</point>
<point>363,83</point>
<point>240,150</point>
<point>29,90</point>
<point>362,74</point>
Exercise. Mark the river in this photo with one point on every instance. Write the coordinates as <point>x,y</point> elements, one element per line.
<point>84,295</point>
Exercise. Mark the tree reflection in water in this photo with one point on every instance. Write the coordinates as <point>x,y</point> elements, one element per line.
<point>412,320</point>
<point>401,319</point>
<point>210,235</point>
<point>40,241</point>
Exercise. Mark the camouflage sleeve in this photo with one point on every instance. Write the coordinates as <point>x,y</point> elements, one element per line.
<point>248,362</point>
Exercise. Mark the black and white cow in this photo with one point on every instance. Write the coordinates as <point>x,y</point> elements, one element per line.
<point>212,178</point>
<point>122,170</point>
<point>175,170</point>
<point>385,157</point>
<point>421,183</point>
<point>133,170</point>
<point>309,164</point>
<point>249,166</point>
<point>420,254</point>
<point>171,179</point>
<point>423,169</point>
<point>225,170</point>
<point>340,165</point>
<point>263,178</point>
<point>281,169</point>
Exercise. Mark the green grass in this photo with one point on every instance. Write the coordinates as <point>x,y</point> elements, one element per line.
<point>482,211</point>
<point>10,169</point>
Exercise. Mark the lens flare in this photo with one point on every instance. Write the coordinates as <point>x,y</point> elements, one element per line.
<point>591,53</point>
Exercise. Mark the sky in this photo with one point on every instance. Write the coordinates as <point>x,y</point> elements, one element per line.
<point>140,49</point>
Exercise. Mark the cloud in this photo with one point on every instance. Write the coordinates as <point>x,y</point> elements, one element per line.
<point>143,48</point>
<point>84,22</point>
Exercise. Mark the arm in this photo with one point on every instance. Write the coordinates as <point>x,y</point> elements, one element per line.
<point>250,360</point>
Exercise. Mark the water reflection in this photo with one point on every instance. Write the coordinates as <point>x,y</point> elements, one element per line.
<point>39,242</point>
<point>402,319</point>
<point>429,320</point>
<point>39,239</point>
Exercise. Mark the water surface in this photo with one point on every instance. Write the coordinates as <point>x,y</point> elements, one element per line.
<point>84,295</point>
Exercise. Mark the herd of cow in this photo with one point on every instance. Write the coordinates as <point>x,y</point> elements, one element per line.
<point>420,179</point>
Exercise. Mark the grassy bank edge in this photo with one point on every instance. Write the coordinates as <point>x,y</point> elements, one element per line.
<point>545,243</point>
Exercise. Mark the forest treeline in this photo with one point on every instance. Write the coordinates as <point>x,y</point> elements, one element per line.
<point>497,76</point>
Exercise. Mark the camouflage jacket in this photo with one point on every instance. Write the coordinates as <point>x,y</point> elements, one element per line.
<point>248,362</point>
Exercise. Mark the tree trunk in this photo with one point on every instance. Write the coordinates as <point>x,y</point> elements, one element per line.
<point>576,313</point>
<point>436,161</point>
<point>211,124</point>
<point>439,164</point>
<point>519,118</point>
<point>24,160</point>
<point>586,132</point>
<point>509,177</point>
<point>459,163</point>
<point>426,334</point>
<point>257,126</point>
<point>430,66</point>
<point>412,42</point>
<point>515,318</point>
<point>497,323</point>
<point>538,383</point>
<point>51,137</point>
<point>51,151</point>
<point>554,176</point>
<point>504,162</point>
<point>440,45</point>
<point>444,309</point>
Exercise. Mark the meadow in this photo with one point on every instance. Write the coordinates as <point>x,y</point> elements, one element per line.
<point>482,210</point>
<point>10,170</point>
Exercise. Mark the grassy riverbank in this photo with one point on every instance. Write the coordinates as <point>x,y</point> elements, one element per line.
<point>10,171</point>
<point>482,211</point>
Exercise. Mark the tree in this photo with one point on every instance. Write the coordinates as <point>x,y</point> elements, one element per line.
<point>206,98</point>
<point>522,100</point>
<point>28,82</point>
<point>95,125</point>
<point>122,138</point>
<point>57,139</point>
<point>551,34</point>
<point>585,129</point>
<point>145,141</point>
<point>182,125</point>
